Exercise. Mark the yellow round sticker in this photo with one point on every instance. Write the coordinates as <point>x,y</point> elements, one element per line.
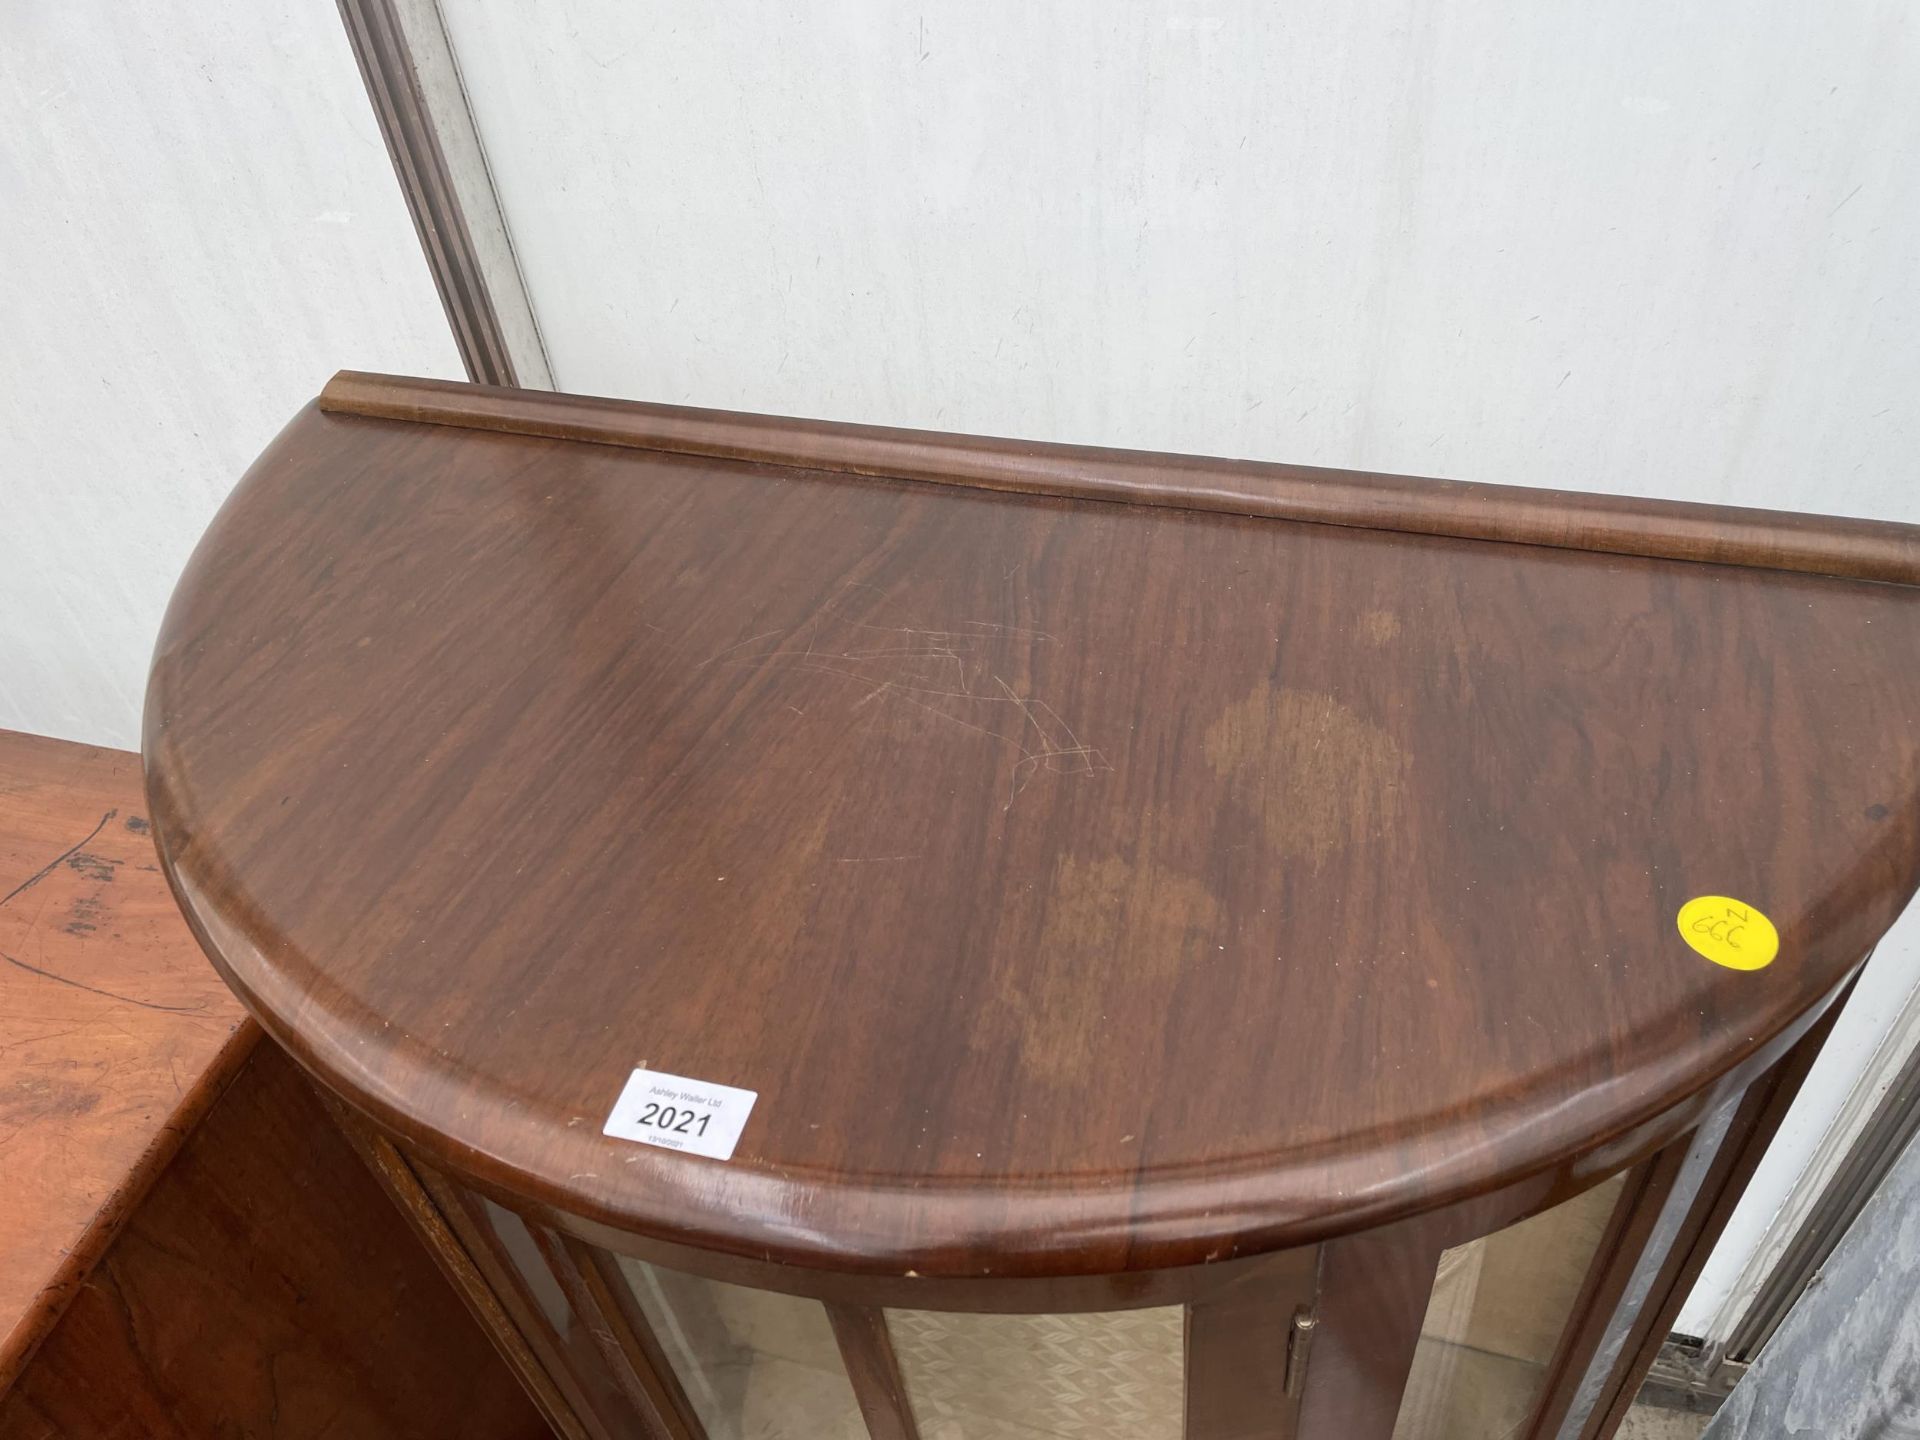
<point>1729,932</point>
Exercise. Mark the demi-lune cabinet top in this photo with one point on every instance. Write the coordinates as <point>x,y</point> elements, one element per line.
<point>1091,861</point>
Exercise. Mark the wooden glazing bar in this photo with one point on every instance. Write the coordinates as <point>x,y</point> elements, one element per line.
<point>1629,1227</point>
<point>867,1351</point>
<point>598,1409</point>
<point>1755,1121</point>
<point>631,1361</point>
<point>457,1263</point>
<point>612,1282</point>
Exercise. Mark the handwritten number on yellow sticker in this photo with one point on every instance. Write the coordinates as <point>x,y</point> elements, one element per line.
<point>1729,932</point>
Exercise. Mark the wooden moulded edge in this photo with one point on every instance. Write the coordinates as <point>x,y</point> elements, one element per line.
<point>17,1346</point>
<point>1835,546</point>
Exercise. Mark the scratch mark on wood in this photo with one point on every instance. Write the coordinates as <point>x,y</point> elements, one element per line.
<point>57,861</point>
<point>96,868</point>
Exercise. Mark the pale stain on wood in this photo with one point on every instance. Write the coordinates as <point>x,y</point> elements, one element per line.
<point>1319,776</point>
<point>1161,921</point>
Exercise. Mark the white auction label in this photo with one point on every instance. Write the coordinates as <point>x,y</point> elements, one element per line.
<point>676,1113</point>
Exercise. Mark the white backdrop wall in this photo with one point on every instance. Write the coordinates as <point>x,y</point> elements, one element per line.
<point>1638,247</point>
<point>1635,247</point>
<point>198,225</point>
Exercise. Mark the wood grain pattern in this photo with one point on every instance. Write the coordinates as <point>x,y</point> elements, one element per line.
<point>1086,888</point>
<point>266,1287</point>
<point>1677,530</point>
<point>115,1034</point>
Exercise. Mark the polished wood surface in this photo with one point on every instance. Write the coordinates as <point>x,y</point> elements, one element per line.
<point>115,1034</point>
<point>1626,525</point>
<point>266,1288</point>
<point>1085,888</point>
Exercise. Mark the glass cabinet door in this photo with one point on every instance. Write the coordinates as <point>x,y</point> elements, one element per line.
<point>762,1366</point>
<point>626,1339</point>
<point>755,1365</point>
<point>1499,1306</point>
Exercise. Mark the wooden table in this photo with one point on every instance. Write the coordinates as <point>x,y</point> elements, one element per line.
<point>1122,881</point>
<point>187,1246</point>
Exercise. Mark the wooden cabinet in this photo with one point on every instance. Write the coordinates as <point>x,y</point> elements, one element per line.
<point>1040,883</point>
